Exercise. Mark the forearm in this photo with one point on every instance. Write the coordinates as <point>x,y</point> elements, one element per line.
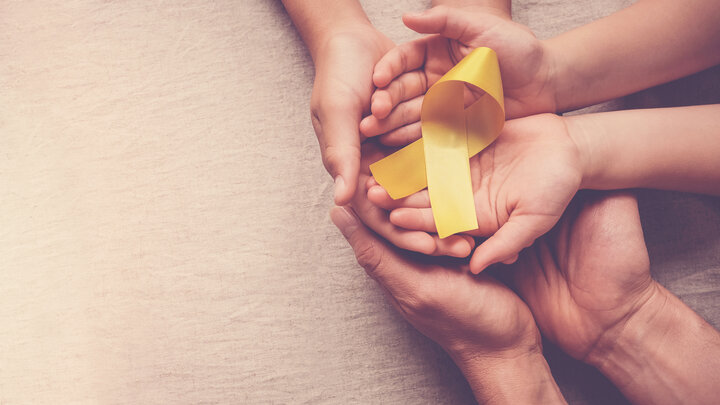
<point>663,148</point>
<point>518,380</point>
<point>664,354</point>
<point>498,7</point>
<point>317,20</point>
<point>646,44</point>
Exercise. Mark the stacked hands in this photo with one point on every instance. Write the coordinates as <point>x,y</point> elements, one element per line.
<point>573,264</point>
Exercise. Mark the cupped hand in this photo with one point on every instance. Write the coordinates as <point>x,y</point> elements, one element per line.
<point>522,183</point>
<point>590,275</point>
<point>470,317</point>
<point>405,73</point>
<point>341,96</point>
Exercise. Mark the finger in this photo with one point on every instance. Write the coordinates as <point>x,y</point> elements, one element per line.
<point>378,196</point>
<point>377,219</point>
<point>505,244</point>
<point>376,257</point>
<point>405,113</point>
<point>419,219</point>
<point>340,148</point>
<point>455,245</point>
<point>510,260</point>
<point>405,87</point>
<point>396,274</point>
<point>403,58</point>
<point>402,136</point>
<point>448,22</point>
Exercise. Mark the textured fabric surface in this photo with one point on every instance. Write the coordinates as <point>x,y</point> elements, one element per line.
<point>164,235</point>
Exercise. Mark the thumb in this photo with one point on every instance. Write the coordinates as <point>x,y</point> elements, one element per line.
<point>379,260</point>
<point>505,245</point>
<point>340,147</point>
<point>448,22</point>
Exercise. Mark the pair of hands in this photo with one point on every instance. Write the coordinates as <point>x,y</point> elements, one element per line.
<point>580,283</point>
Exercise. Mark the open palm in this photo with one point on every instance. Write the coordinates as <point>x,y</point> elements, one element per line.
<point>587,277</point>
<point>521,184</point>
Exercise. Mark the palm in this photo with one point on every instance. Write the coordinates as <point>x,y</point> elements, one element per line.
<point>513,182</point>
<point>460,310</point>
<point>589,275</point>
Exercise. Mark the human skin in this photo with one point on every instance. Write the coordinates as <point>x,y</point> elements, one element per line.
<point>526,178</point>
<point>589,287</point>
<point>486,328</point>
<point>646,44</point>
<point>345,48</point>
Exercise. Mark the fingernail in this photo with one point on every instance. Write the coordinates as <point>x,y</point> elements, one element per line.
<point>339,187</point>
<point>343,220</point>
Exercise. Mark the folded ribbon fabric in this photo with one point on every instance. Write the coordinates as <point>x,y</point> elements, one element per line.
<point>451,134</point>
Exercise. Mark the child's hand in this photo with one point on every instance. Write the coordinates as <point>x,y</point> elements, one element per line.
<point>522,184</point>
<point>406,72</point>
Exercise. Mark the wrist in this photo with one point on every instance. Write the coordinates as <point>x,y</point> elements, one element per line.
<point>338,30</point>
<point>661,354</point>
<point>563,81</point>
<point>553,74</point>
<point>511,378</point>
<point>581,131</point>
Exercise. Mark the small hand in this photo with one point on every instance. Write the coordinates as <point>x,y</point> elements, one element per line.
<point>590,275</point>
<point>522,184</point>
<point>341,96</point>
<point>407,71</point>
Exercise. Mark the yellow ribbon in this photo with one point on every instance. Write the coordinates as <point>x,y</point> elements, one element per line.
<point>451,134</point>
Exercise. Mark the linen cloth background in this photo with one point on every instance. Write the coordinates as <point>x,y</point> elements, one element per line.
<point>164,235</point>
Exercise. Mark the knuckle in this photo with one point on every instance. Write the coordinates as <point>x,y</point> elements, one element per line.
<point>368,256</point>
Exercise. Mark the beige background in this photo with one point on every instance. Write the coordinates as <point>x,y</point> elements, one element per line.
<point>163,216</point>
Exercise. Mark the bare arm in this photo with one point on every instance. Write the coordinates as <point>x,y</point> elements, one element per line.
<point>665,354</point>
<point>316,20</point>
<point>663,148</point>
<point>646,44</point>
<point>498,7</point>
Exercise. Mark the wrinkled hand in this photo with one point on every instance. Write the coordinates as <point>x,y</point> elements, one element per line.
<point>522,183</point>
<point>471,317</point>
<point>341,96</point>
<point>590,275</point>
<point>407,71</point>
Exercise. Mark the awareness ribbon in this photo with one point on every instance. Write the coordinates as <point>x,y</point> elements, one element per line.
<point>451,134</point>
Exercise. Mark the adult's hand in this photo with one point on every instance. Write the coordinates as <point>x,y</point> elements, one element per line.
<point>487,330</point>
<point>589,287</point>
<point>590,274</point>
